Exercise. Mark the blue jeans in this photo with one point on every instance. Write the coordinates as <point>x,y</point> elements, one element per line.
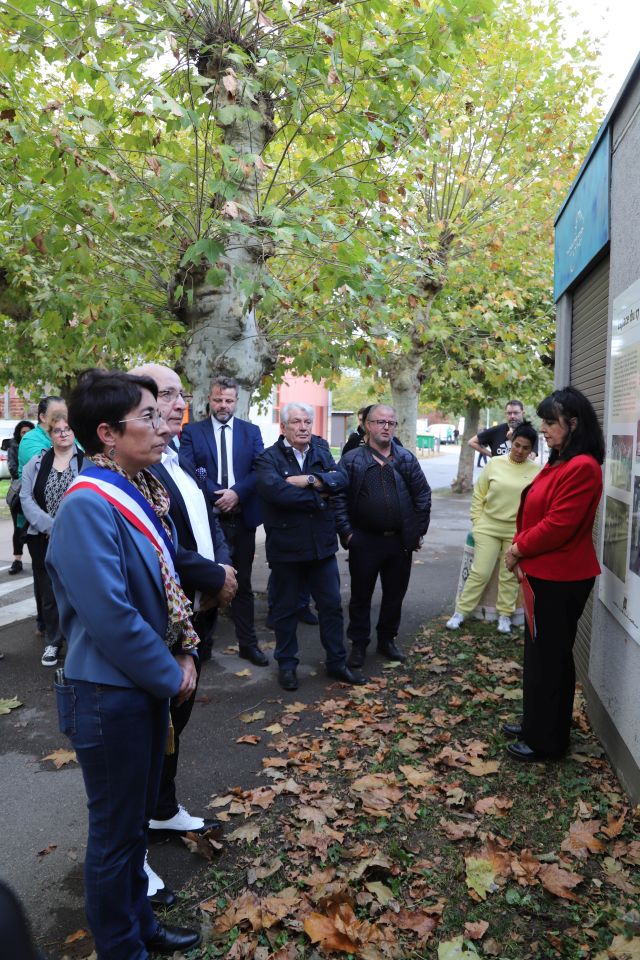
<point>119,735</point>
<point>322,577</point>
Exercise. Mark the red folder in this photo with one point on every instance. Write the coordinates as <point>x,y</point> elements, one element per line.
<point>529,599</point>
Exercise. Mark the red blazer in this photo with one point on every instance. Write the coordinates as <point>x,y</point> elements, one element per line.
<point>554,527</point>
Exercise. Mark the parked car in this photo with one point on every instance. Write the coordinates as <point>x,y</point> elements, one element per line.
<point>6,434</point>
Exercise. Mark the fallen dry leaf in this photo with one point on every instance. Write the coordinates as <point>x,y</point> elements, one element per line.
<point>250,738</point>
<point>416,776</point>
<point>252,717</point>
<point>48,849</point>
<point>74,937</point>
<point>202,845</point>
<point>580,841</point>
<point>61,757</point>
<point>559,882</point>
<point>476,931</point>
<point>458,830</point>
<point>421,922</point>
<point>496,806</point>
<point>621,949</point>
<point>248,832</point>
<point>244,673</point>
<point>614,826</point>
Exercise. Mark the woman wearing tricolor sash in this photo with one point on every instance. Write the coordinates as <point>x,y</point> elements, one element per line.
<point>131,647</point>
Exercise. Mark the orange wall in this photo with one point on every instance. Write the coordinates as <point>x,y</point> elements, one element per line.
<point>304,390</point>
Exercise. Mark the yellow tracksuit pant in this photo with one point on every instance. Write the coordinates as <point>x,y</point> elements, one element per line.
<point>488,548</point>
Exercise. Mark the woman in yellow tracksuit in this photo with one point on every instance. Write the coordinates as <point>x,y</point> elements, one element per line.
<point>494,506</point>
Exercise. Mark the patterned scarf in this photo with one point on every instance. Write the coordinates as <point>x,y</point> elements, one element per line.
<point>179,627</point>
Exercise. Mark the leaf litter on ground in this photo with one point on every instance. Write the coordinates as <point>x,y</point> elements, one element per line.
<point>391,824</point>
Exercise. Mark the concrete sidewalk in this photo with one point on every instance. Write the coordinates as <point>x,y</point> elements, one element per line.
<point>42,810</point>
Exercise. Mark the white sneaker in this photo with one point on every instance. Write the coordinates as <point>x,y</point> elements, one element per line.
<point>504,624</point>
<point>155,882</point>
<point>50,656</point>
<point>454,622</point>
<point>181,821</point>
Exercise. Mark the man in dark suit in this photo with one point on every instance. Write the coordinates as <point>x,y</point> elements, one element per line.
<point>208,579</point>
<point>223,449</point>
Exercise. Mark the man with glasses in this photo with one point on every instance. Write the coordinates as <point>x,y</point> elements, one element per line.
<point>382,515</point>
<point>207,578</point>
<point>295,479</point>
<point>223,449</point>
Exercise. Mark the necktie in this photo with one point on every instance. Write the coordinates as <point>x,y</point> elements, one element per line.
<point>224,463</point>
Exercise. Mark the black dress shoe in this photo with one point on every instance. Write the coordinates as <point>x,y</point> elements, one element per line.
<point>306,616</point>
<point>287,679</point>
<point>168,939</point>
<point>254,655</point>
<point>522,751</point>
<point>346,675</point>
<point>512,730</point>
<point>16,567</point>
<point>162,898</point>
<point>357,656</point>
<point>391,652</point>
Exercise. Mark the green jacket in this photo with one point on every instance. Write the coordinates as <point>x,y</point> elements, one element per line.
<point>33,442</point>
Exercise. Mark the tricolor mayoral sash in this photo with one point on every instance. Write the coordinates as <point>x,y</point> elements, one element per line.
<point>128,500</point>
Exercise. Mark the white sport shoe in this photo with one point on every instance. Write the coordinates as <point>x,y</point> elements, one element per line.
<point>50,656</point>
<point>182,821</point>
<point>454,622</point>
<point>504,624</point>
<point>155,882</point>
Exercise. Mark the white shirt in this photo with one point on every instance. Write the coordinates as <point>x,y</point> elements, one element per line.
<point>228,436</point>
<point>299,454</point>
<point>196,508</point>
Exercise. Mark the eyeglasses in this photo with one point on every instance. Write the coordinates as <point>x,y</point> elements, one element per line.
<point>61,431</point>
<point>384,423</point>
<point>152,420</point>
<point>172,395</point>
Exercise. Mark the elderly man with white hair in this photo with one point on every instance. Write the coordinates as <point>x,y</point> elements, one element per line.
<point>295,480</point>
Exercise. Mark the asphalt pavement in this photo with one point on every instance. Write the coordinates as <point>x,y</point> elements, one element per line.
<point>42,810</point>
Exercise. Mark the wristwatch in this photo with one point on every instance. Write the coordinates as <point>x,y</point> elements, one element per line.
<point>311,480</point>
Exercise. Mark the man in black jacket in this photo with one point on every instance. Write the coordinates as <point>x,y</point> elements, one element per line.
<point>382,513</point>
<point>294,479</point>
<point>207,578</point>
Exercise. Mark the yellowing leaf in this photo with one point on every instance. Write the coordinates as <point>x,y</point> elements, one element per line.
<point>6,706</point>
<point>243,673</point>
<point>456,949</point>
<point>481,877</point>
<point>621,949</point>
<point>382,893</point>
<point>61,757</point>
<point>252,717</point>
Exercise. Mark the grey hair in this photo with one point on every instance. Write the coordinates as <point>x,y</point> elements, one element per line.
<point>288,407</point>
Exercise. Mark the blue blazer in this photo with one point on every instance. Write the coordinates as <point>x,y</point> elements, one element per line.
<point>112,605</point>
<point>198,448</point>
<point>194,570</point>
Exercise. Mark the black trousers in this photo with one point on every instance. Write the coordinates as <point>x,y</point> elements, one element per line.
<point>372,555</point>
<point>18,532</point>
<point>242,544</point>
<point>37,547</point>
<point>549,672</point>
<point>167,804</point>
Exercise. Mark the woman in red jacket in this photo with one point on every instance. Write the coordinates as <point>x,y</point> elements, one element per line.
<point>553,546</point>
